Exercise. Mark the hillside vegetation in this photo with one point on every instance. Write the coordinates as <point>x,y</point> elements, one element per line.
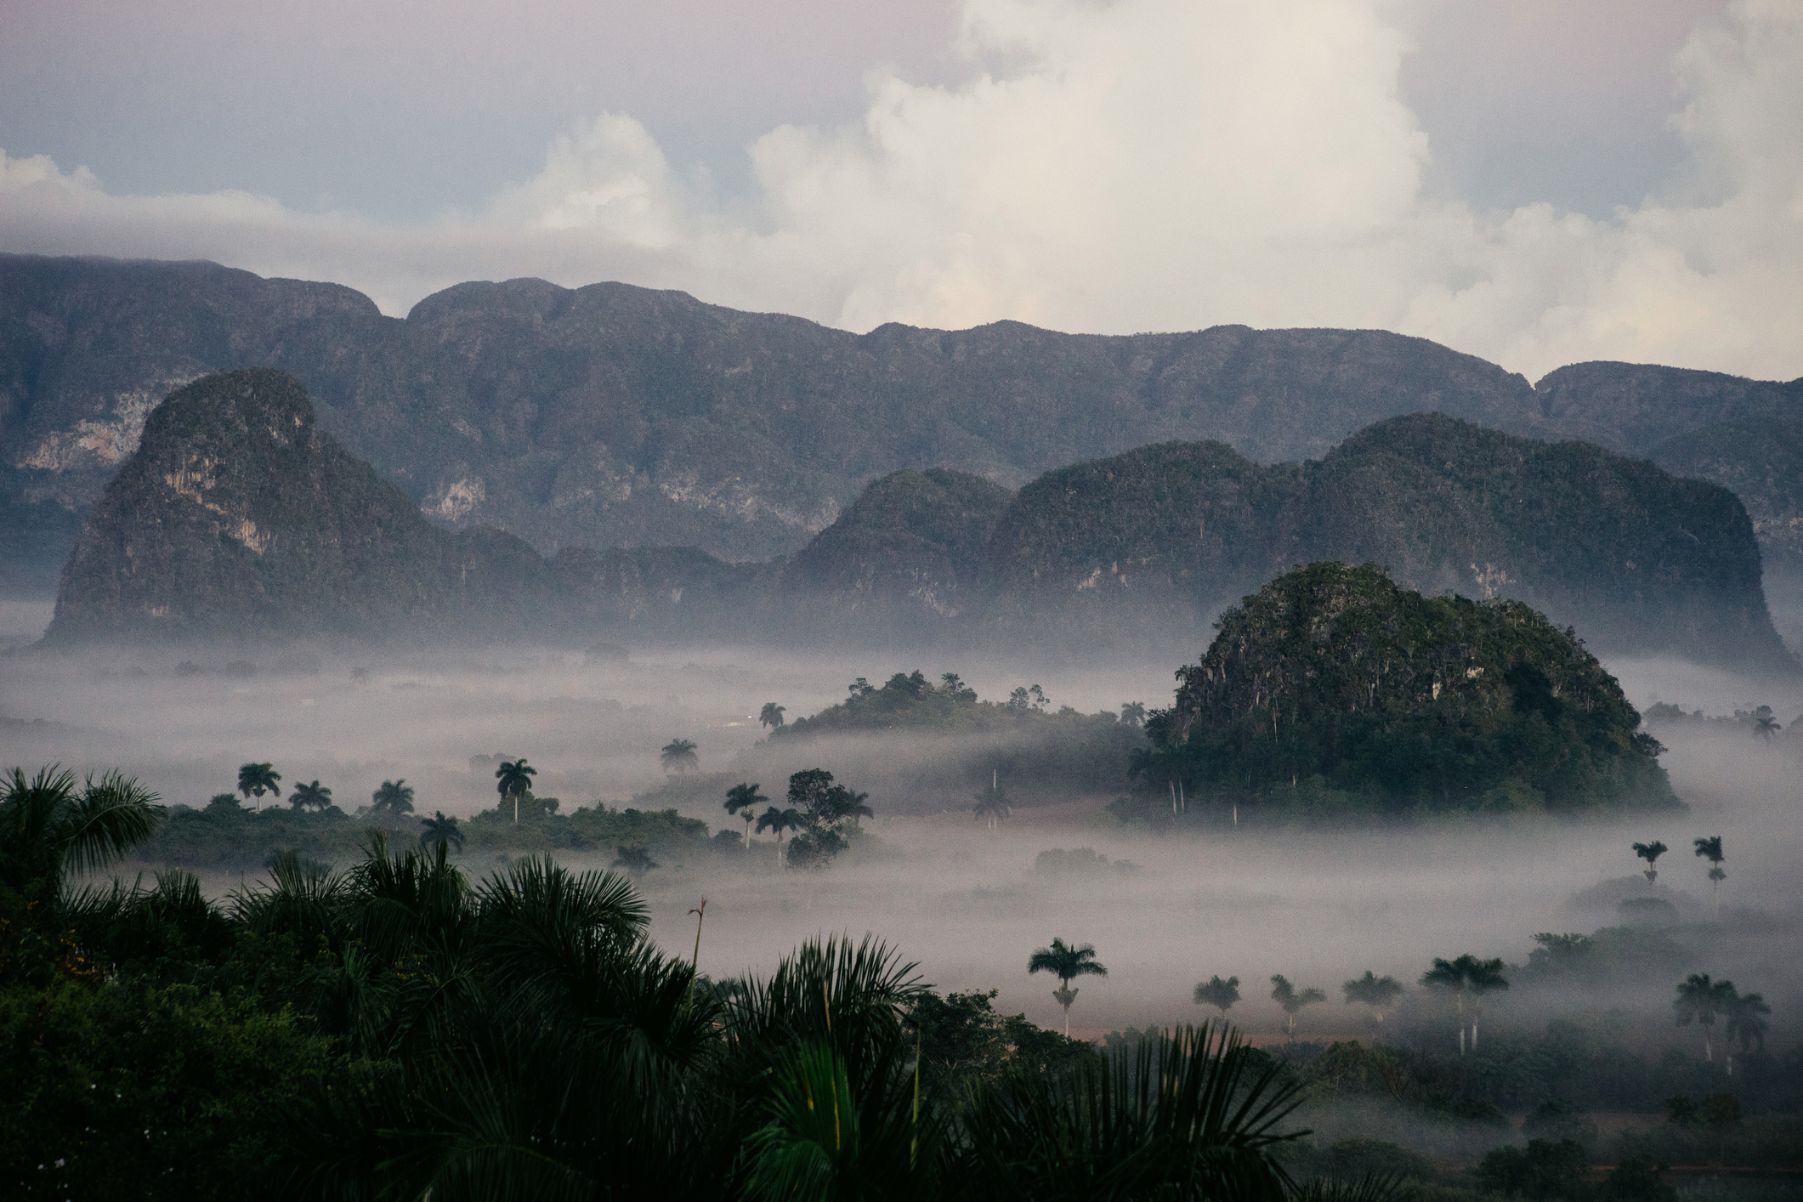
<point>1333,691</point>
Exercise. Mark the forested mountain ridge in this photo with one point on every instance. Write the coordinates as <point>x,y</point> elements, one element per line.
<point>618,416</point>
<point>238,515</point>
<point>1165,535</point>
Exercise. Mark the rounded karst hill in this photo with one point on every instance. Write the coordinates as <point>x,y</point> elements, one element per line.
<point>1334,690</point>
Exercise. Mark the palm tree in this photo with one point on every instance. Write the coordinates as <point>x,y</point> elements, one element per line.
<point>50,830</point>
<point>1745,1023</point>
<point>771,715</point>
<point>1711,849</point>
<point>992,803</point>
<point>843,803</point>
<point>254,780</point>
<point>440,831</point>
<point>310,796</point>
<point>1218,993</point>
<point>1765,724</point>
<point>678,755</point>
<point>742,802</point>
<point>1701,1000</point>
<point>1292,1000</point>
<point>1650,852</point>
<point>513,779</point>
<point>635,861</point>
<point>773,819</point>
<point>1067,962</point>
<point>394,797</point>
<point>1467,979</point>
<point>1133,713</point>
<point>1379,993</point>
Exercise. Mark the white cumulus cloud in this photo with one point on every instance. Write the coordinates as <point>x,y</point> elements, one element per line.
<point>1108,166</point>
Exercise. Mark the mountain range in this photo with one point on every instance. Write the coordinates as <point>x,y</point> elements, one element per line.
<point>238,514</point>
<point>615,417</point>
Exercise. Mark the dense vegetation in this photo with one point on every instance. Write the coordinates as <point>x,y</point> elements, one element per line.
<point>398,1030</point>
<point>963,742</point>
<point>1334,691</point>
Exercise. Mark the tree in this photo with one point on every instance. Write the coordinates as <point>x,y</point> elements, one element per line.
<point>50,830</point>
<point>513,779</point>
<point>678,755</point>
<point>1292,1001</point>
<point>1650,852</point>
<point>953,686</point>
<point>859,688</point>
<point>1765,724</point>
<point>1745,1023</point>
<point>742,801</point>
<point>254,780</point>
<point>635,861</point>
<point>1379,993</point>
<point>1711,849</point>
<point>1218,993</point>
<point>394,797</point>
<point>1133,713</point>
<point>1702,1000</point>
<point>310,796</point>
<point>1466,979</point>
<point>441,832</point>
<point>992,803</point>
<point>771,716</point>
<point>1066,962</point>
<point>779,821</point>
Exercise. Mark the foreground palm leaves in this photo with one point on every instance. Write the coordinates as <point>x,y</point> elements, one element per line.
<point>524,1038</point>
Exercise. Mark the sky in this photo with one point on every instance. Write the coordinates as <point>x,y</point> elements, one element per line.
<point>1538,182</point>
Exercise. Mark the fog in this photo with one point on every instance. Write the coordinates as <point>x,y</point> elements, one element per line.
<point>1319,906</point>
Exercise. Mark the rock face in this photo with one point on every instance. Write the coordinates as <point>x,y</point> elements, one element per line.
<point>236,515</point>
<point>1636,558</point>
<point>1332,688</point>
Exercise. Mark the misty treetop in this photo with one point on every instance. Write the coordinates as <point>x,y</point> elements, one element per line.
<point>1334,690</point>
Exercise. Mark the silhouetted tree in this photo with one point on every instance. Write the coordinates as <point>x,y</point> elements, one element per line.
<point>441,832</point>
<point>634,861</point>
<point>513,780</point>
<point>394,797</point>
<point>678,755</point>
<point>1218,993</point>
<point>1067,962</point>
<point>1378,993</point>
<point>1292,1001</point>
<point>742,801</point>
<point>771,716</point>
<point>254,780</point>
<point>1701,1000</point>
<point>1650,852</point>
<point>310,796</point>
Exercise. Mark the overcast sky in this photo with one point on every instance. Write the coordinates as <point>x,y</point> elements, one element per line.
<point>1538,181</point>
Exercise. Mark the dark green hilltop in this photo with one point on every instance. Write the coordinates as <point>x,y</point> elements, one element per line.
<point>1333,692</point>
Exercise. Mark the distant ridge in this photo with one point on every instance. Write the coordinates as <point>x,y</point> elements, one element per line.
<point>614,416</point>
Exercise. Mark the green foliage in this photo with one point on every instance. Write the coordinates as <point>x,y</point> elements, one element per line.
<point>1543,1171</point>
<point>1333,691</point>
<point>155,1092</point>
<point>1018,745</point>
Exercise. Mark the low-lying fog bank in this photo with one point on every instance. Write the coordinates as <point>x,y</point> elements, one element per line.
<point>1317,906</point>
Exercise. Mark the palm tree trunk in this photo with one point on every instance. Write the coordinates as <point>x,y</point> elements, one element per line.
<point>1067,1020</point>
<point>1708,1050</point>
<point>1474,1032</point>
<point>516,809</point>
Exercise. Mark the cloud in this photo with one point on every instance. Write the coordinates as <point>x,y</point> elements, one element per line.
<point>1134,165</point>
